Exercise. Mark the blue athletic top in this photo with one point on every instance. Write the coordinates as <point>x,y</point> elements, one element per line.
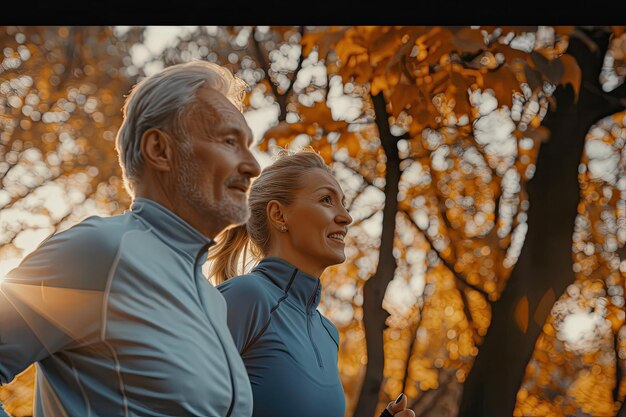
<point>121,322</point>
<point>288,347</point>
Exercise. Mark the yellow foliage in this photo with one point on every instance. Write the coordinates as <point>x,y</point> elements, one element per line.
<point>593,394</point>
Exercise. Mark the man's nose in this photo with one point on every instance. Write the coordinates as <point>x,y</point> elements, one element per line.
<point>250,166</point>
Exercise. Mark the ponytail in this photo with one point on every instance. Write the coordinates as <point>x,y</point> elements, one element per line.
<point>224,256</point>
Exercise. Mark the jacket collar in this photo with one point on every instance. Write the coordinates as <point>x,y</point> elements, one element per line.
<point>171,229</point>
<point>305,289</point>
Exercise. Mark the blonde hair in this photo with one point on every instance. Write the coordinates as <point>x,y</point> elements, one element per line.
<point>278,181</point>
<point>160,101</point>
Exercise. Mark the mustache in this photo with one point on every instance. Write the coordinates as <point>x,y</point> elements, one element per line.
<point>238,181</point>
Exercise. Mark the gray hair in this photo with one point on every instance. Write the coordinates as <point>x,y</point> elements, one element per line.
<point>160,100</point>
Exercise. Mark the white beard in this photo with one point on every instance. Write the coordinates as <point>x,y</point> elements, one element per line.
<point>225,212</point>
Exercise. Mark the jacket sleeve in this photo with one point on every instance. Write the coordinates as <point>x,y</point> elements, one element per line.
<point>249,307</point>
<point>51,300</point>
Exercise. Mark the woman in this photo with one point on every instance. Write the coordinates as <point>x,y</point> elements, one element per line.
<point>296,228</point>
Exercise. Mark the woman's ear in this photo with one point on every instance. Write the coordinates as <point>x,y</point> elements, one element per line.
<point>276,215</point>
<point>156,150</point>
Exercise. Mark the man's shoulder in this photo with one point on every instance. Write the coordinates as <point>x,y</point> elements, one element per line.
<point>78,257</point>
<point>94,231</point>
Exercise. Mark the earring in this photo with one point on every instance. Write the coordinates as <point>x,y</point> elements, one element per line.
<point>283,228</point>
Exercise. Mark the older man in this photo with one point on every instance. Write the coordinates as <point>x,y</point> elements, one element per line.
<point>115,311</point>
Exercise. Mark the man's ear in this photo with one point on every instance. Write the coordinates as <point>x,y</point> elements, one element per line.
<point>276,215</point>
<point>156,149</point>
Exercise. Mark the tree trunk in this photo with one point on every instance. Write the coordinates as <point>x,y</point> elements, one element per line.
<point>545,263</point>
<point>374,316</point>
<point>622,410</point>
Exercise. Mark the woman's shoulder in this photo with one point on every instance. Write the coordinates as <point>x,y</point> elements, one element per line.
<point>330,328</point>
<point>249,300</point>
<point>246,286</point>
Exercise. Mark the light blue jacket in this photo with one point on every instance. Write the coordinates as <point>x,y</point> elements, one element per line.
<point>289,348</point>
<point>120,320</point>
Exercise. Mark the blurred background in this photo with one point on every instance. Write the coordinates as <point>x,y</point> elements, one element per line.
<point>484,168</point>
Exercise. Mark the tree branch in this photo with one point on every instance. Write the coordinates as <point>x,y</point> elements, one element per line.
<point>298,67</point>
<point>263,62</point>
<point>608,96</point>
<point>443,260</point>
<point>414,330</point>
<point>423,404</point>
<point>19,197</point>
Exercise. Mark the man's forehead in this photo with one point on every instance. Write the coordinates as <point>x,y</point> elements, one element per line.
<point>215,97</point>
<point>224,112</point>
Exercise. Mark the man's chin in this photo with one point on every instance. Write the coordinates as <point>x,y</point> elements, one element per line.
<point>239,219</point>
<point>226,217</point>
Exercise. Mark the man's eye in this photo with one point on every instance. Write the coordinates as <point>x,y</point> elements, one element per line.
<point>327,199</point>
<point>231,141</point>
